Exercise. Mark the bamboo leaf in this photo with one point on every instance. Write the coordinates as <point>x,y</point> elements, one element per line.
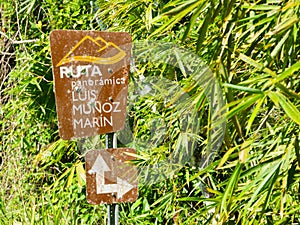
<point>149,17</point>
<point>227,197</point>
<point>191,22</point>
<point>80,172</point>
<point>287,91</point>
<point>190,199</point>
<point>283,26</point>
<point>179,8</point>
<point>256,64</point>
<point>263,185</point>
<point>254,114</point>
<point>262,7</point>
<point>203,29</point>
<point>58,180</point>
<point>297,149</point>
<point>226,156</point>
<point>274,97</point>
<point>163,203</point>
<point>243,88</point>
<point>70,177</point>
<point>251,61</point>
<point>279,45</point>
<point>287,73</point>
<point>173,20</point>
<point>289,108</point>
<point>245,148</point>
<point>247,102</point>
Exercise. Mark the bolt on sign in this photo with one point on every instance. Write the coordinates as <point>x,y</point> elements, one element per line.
<point>110,178</point>
<point>90,70</point>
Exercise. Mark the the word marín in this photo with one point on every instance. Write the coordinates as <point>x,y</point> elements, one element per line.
<point>94,122</point>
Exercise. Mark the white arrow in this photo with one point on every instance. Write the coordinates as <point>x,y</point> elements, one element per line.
<point>99,167</point>
<point>121,187</point>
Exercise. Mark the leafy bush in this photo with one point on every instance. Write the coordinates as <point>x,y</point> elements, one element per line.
<point>252,50</point>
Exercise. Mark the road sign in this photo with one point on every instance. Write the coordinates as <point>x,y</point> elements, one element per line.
<point>90,70</point>
<point>110,178</point>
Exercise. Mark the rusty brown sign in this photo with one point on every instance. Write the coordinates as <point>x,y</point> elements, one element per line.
<point>90,70</point>
<point>110,178</point>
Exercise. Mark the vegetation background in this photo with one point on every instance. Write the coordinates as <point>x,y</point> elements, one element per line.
<point>252,47</point>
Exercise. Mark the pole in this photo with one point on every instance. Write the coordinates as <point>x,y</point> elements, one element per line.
<point>112,209</point>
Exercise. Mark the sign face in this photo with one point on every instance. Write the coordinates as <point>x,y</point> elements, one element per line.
<point>110,178</point>
<point>90,70</point>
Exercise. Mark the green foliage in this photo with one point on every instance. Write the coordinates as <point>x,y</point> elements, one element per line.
<point>252,49</point>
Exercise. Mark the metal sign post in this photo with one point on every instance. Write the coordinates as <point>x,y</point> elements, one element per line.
<point>113,214</point>
<point>112,209</point>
